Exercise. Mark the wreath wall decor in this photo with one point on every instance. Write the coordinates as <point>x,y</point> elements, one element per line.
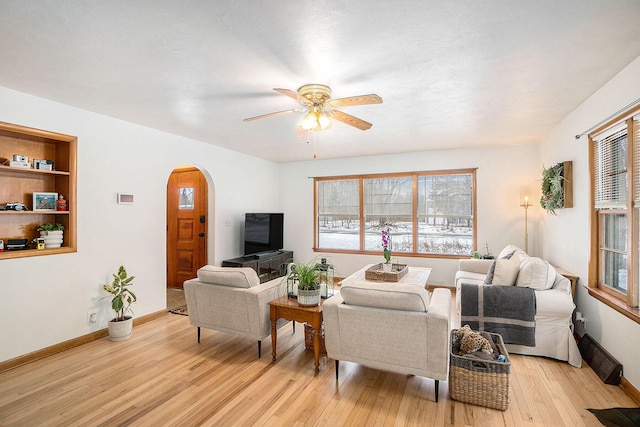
<point>556,187</point>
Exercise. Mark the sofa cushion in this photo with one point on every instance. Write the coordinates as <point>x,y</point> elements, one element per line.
<point>242,277</point>
<point>385,295</point>
<point>536,273</point>
<point>512,252</point>
<point>503,272</point>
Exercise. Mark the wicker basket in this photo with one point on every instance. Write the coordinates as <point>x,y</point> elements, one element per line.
<point>375,273</point>
<point>480,382</point>
<point>308,339</point>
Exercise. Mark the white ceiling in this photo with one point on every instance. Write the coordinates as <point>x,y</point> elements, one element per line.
<point>452,73</point>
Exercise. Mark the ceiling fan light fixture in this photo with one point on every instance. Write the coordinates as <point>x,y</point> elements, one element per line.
<point>325,121</point>
<point>321,109</point>
<point>315,121</point>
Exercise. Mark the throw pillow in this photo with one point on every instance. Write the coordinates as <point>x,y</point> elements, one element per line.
<point>489,278</point>
<point>512,252</point>
<point>502,272</point>
<point>509,255</point>
<point>536,273</point>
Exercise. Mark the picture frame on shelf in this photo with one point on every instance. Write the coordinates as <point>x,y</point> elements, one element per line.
<point>44,201</point>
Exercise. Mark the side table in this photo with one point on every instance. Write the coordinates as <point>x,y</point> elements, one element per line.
<point>572,278</point>
<point>288,309</point>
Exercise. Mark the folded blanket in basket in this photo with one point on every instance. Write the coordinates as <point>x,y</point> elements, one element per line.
<point>506,310</point>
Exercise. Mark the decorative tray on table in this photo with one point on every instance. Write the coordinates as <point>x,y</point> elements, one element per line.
<point>375,272</point>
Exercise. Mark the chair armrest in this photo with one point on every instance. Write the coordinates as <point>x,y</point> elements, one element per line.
<point>258,298</point>
<point>440,304</point>
<point>562,284</point>
<point>480,266</point>
<point>332,324</point>
<point>438,330</point>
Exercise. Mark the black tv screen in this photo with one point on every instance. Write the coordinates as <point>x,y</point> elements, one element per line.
<point>263,232</point>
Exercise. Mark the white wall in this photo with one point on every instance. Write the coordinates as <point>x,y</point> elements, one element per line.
<point>45,299</point>
<point>501,173</point>
<point>566,241</point>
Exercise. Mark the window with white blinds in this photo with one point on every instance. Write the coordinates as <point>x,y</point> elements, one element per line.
<point>610,172</point>
<point>636,160</point>
<point>615,172</point>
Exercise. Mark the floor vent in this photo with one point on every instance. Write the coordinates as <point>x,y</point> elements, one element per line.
<point>604,364</point>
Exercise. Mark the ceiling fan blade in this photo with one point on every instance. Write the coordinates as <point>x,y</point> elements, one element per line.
<point>350,120</point>
<point>292,94</point>
<point>294,110</point>
<point>355,100</point>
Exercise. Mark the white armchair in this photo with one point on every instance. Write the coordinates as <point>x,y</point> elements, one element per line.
<point>232,300</point>
<point>392,327</point>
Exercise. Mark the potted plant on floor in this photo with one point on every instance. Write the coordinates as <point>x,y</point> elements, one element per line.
<point>306,276</point>
<point>52,234</point>
<point>121,326</point>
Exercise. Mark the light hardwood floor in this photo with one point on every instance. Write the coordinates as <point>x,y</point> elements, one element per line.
<point>162,376</point>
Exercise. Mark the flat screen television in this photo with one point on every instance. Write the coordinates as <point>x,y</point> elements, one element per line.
<point>263,232</point>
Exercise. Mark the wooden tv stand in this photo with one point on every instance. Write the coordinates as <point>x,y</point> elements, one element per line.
<point>268,267</point>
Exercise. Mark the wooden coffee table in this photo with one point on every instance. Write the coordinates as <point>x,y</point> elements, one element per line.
<point>288,308</point>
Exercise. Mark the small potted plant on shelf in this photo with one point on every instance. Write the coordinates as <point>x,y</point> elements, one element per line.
<point>121,326</point>
<point>486,255</point>
<point>52,234</point>
<point>306,276</point>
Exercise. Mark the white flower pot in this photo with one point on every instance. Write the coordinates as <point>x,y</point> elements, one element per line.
<point>386,267</point>
<point>309,298</point>
<point>52,239</point>
<point>119,331</point>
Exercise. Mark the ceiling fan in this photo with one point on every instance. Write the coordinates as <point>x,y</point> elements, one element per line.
<point>316,100</point>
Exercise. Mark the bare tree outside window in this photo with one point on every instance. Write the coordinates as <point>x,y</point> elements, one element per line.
<point>441,222</point>
<point>338,216</point>
<point>445,214</point>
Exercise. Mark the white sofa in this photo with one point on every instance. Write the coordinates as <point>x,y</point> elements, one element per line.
<point>392,327</point>
<point>554,302</point>
<point>232,300</point>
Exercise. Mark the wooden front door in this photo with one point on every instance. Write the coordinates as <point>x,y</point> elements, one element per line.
<point>186,225</point>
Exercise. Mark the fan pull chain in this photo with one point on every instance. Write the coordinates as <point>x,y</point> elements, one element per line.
<point>315,140</point>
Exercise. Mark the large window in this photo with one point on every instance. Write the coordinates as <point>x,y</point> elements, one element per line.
<point>426,213</point>
<point>615,168</point>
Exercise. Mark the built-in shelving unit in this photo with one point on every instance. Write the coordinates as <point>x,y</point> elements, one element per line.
<point>18,185</point>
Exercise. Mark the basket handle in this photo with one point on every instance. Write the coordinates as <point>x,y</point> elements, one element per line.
<point>480,366</point>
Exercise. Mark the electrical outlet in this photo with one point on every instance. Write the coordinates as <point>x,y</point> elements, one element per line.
<point>92,317</point>
<point>227,222</point>
<point>580,319</point>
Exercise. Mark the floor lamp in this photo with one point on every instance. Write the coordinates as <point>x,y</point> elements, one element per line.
<point>526,205</point>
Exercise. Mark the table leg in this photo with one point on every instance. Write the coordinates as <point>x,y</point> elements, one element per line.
<point>274,339</point>
<point>316,346</point>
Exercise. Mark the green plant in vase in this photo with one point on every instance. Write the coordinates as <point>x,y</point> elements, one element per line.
<point>50,227</point>
<point>306,275</point>
<point>123,297</point>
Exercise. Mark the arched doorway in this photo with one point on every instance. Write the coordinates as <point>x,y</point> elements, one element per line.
<point>187,224</point>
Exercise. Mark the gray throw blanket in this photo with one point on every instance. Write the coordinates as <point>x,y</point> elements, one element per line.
<point>506,310</point>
